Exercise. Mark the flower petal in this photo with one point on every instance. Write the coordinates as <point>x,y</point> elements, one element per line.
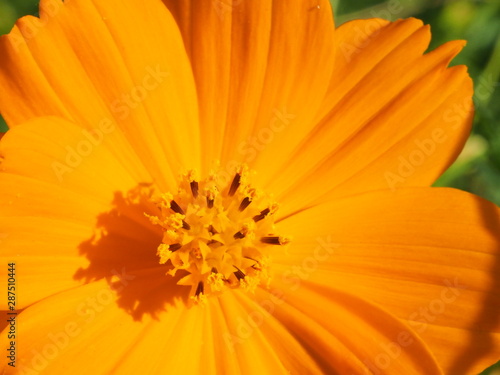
<point>89,324</point>
<point>345,333</point>
<point>129,66</point>
<point>261,67</point>
<point>59,201</point>
<point>250,333</point>
<point>81,161</point>
<point>429,256</point>
<point>46,255</point>
<point>86,329</point>
<point>393,116</point>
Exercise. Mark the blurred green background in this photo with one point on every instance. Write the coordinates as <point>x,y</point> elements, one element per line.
<point>478,168</point>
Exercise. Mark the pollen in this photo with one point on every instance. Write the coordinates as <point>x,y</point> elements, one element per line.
<point>219,233</point>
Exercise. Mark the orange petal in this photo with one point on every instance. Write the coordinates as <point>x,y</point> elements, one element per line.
<point>262,69</point>
<point>393,115</point>
<point>345,333</point>
<point>247,330</point>
<point>53,255</point>
<point>46,255</point>
<point>429,256</point>
<point>125,329</point>
<point>64,215</point>
<point>128,65</point>
<point>91,324</point>
<point>88,329</point>
<point>78,160</point>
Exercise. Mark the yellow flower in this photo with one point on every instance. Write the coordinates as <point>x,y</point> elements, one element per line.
<point>276,165</point>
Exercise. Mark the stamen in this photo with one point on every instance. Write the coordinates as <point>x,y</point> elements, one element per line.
<point>239,273</point>
<point>226,243</point>
<point>275,240</point>
<point>176,208</point>
<point>244,203</point>
<point>199,289</point>
<point>194,188</point>
<point>174,247</point>
<point>247,227</point>
<point>216,281</point>
<point>211,192</point>
<point>262,215</point>
<point>164,253</point>
<point>235,184</point>
<point>238,235</point>
<point>210,203</point>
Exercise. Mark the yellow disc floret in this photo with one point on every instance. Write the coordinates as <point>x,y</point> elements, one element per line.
<point>220,234</point>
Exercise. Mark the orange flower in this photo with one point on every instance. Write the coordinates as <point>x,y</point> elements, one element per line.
<point>111,194</point>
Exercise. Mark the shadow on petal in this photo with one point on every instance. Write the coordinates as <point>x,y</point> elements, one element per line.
<point>123,251</point>
<point>488,319</point>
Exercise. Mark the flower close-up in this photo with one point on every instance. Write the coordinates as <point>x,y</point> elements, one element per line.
<point>238,187</point>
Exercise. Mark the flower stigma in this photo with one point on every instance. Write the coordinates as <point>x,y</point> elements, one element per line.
<point>222,235</point>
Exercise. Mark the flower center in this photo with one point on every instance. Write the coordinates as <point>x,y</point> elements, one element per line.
<point>221,234</point>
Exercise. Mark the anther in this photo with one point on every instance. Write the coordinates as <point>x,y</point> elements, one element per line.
<point>176,208</point>
<point>210,202</point>
<point>262,215</point>
<point>199,289</point>
<point>235,184</point>
<point>174,247</point>
<point>185,225</point>
<point>211,193</point>
<point>275,240</point>
<point>239,273</point>
<point>248,227</point>
<point>244,203</point>
<point>238,235</point>
<point>194,188</point>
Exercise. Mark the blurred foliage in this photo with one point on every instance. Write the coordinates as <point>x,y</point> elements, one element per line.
<point>478,168</point>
